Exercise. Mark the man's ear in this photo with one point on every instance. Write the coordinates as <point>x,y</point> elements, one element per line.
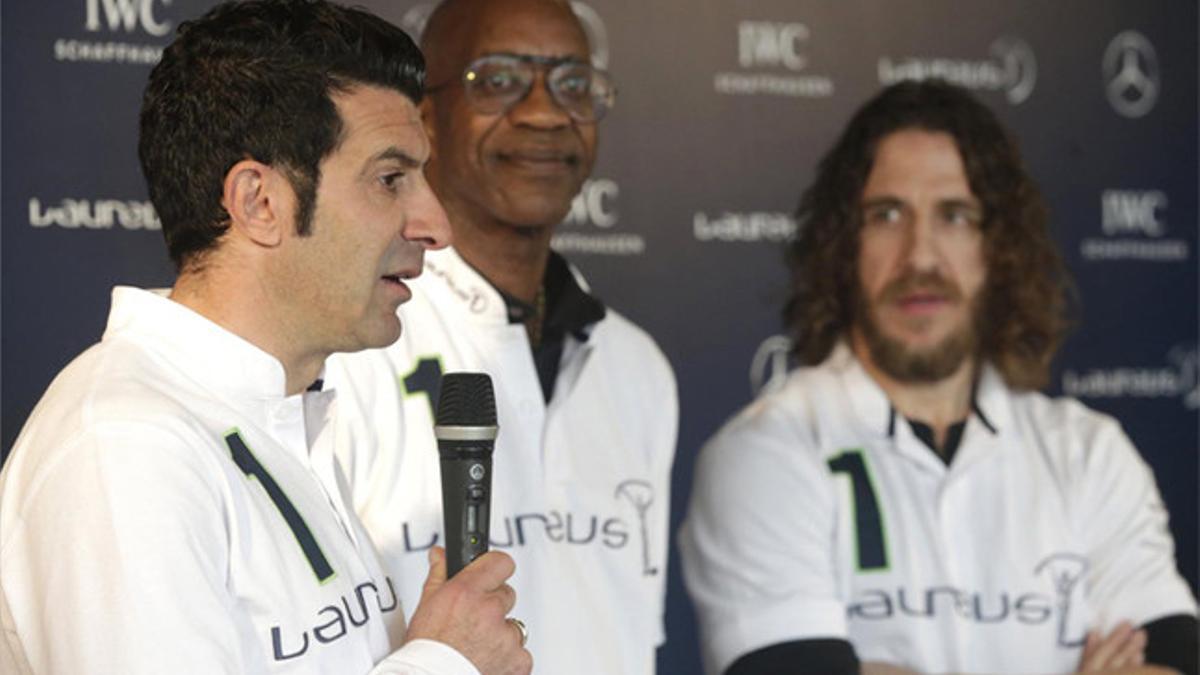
<point>259,201</point>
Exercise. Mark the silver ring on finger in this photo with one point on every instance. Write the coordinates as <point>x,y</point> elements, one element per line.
<point>520,626</point>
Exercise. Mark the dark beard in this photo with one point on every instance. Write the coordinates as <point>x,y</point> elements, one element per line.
<point>924,366</point>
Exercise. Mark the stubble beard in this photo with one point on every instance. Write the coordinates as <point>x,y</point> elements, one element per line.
<point>918,365</point>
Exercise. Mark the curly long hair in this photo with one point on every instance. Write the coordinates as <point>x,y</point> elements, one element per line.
<point>1027,298</point>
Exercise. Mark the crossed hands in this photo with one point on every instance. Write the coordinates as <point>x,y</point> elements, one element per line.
<point>469,613</point>
<point>1122,650</point>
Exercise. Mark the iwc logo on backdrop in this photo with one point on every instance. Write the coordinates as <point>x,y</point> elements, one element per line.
<point>753,226</point>
<point>590,227</point>
<point>1011,69</point>
<point>1134,225</point>
<point>1178,377</point>
<point>113,28</point>
<point>1131,80</point>
<point>93,214</point>
<point>773,63</point>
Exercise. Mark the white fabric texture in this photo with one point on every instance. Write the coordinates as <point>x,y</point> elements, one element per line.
<point>138,533</point>
<point>580,493</point>
<point>1046,523</point>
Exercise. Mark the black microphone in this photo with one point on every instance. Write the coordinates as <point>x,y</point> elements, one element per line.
<point>466,432</point>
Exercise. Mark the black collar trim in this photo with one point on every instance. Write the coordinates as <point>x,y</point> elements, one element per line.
<point>891,424</point>
<point>569,308</point>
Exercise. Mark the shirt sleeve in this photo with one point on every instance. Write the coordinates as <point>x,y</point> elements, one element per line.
<point>821,656</point>
<point>1174,641</point>
<point>425,657</point>
<point>1132,574</point>
<point>115,560</point>
<point>666,436</point>
<point>757,542</point>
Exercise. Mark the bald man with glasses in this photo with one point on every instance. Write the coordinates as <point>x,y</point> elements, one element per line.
<point>586,402</point>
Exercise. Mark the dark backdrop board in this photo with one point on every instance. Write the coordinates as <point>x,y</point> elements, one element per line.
<point>723,112</point>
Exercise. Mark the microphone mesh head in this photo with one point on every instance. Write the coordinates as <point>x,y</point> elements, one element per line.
<point>466,400</point>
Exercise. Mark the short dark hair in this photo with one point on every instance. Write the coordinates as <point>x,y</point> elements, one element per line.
<point>254,80</point>
<point>1026,299</point>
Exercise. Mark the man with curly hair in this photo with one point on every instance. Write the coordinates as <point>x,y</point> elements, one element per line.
<point>907,501</point>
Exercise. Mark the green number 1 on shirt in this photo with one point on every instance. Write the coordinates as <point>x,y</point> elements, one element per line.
<point>868,520</point>
<point>425,378</point>
<point>249,464</point>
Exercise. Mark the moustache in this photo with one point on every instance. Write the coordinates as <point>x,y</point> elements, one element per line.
<point>920,282</point>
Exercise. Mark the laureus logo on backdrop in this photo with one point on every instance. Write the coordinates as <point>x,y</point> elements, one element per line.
<point>1011,68</point>
<point>1178,377</point>
<point>1131,80</point>
<point>414,19</point>
<point>128,19</point>
<point>773,63</point>
<point>93,214</point>
<point>590,227</point>
<point>752,226</point>
<point>1134,227</point>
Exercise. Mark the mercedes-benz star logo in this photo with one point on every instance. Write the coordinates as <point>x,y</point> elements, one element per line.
<point>414,19</point>
<point>597,34</point>
<point>1131,74</point>
<point>769,367</point>
<point>1020,67</point>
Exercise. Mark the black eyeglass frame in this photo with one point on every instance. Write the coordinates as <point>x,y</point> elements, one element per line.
<point>549,64</point>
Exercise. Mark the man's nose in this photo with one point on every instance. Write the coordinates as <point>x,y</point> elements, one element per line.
<point>426,223</point>
<point>922,243</point>
<point>538,108</point>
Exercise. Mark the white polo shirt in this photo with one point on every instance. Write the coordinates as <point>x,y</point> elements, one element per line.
<point>580,486</point>
<point>167,508</point>
<point>815,513</point>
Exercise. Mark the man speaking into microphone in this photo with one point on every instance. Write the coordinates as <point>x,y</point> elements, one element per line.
<point>173,504</point>
<point>586,402</point>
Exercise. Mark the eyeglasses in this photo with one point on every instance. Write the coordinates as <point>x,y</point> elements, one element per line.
<point>496,82</point>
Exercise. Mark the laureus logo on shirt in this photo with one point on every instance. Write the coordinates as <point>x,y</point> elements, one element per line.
<point>472,295</point>
<point>640,494</point>
<point>1060,572</point>
<point>606,530</point>
<point>1065,571</point>
<point>335,621</point>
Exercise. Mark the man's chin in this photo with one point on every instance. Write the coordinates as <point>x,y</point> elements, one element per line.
<point>923,363</point>
<point>535,214</point>
<point>535,203</point>
<point>382,334</point>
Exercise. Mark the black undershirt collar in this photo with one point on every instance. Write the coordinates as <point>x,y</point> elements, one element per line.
<point>569,310</point>
<point>954,432</point>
